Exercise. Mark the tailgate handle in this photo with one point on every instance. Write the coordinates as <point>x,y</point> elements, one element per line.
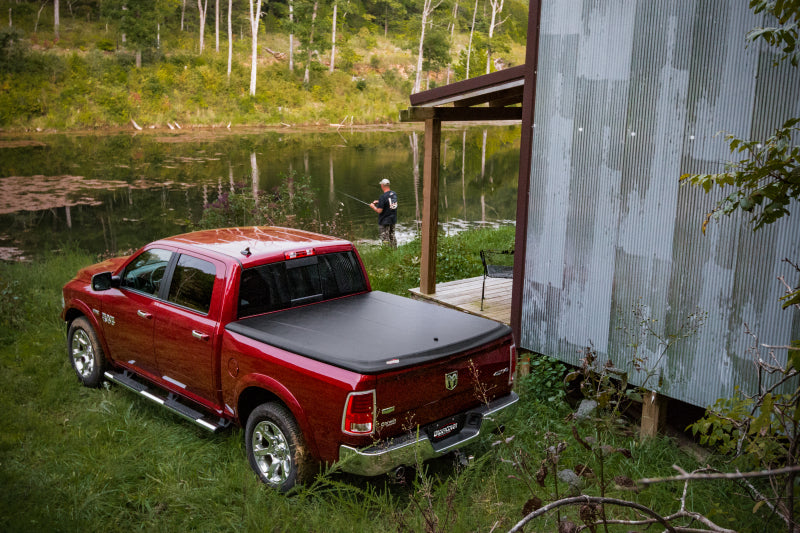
<point>144,314</point>
<point>199,335</point>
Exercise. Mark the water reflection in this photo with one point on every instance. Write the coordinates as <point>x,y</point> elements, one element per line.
<point>108,194</point>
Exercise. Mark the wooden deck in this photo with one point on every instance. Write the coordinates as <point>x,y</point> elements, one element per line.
<point>465,295</point>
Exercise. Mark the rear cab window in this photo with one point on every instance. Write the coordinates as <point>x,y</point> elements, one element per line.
<point>295,282</point>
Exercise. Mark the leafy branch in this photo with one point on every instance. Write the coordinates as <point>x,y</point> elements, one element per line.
<point>768,176</point>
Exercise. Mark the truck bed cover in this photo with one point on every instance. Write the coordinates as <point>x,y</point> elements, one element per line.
<point>371,332</point>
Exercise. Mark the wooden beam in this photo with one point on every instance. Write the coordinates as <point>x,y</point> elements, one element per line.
<point>512,96</point>
<point>654,414</point>
<point>525,157</point>
<point>460,114</point>
<point>430,206</point>
<point>468,87</point>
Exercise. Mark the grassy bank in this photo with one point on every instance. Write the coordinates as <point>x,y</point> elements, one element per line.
<point>86,76</point>
<point>74,459</point>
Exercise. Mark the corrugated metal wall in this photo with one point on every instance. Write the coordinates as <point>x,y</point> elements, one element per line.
<point>630,95</point>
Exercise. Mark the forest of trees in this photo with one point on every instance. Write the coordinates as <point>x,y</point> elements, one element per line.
<point>130,52</point>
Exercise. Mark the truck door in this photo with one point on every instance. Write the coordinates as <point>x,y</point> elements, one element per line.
<point>185,330</point>
<point>129,312</point>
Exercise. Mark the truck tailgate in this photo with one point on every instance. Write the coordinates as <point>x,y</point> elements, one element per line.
<point>373,332</point>
<point>433,395</point>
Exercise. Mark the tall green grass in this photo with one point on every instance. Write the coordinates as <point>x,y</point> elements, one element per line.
<point>77,459</point>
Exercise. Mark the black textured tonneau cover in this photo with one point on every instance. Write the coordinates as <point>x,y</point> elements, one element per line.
<point>371,332</point>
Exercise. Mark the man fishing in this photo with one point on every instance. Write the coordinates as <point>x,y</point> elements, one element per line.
<point>386,207</point>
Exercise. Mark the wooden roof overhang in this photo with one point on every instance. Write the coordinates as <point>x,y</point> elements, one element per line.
<point>457,102</point>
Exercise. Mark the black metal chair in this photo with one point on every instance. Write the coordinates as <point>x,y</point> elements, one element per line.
<point>496,264</point>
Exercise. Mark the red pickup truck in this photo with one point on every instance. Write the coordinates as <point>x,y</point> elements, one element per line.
<point>278,330</point>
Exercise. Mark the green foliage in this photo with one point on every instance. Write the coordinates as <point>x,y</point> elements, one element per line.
<point>291,204</point>
<point>769,177</point>
<point>106,45</point>
<point>458,257</point>
<point>785,36</point>
<point>545,381</point>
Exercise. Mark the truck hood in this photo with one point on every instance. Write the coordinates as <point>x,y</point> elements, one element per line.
<point>109,265</point>
<point>372,332</point>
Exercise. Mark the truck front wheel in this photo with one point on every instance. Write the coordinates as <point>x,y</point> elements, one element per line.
<point>85,352</point>
<point>275,447</point>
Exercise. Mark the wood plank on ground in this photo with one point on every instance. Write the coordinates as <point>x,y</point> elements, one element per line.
<point>465,295</point>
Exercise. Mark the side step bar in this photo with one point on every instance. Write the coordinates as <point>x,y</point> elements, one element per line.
<point>171,401</point>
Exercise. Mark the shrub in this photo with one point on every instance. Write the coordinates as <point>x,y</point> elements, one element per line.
<point>106,45</point>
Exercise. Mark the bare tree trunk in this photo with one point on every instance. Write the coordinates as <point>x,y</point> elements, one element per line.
<point>452,39</point>
<point>216,25</point>
<point>202,9</point>
<point>306,76</point>
<point>183,13</point>
<point>291,35</point>
<point>254,18</point>
<point>230,37</point>
<point>471,32</point>
<point>425,13</point>
<point>497,8</point>
<point>138,59</point>
<point>56,18</point>
<point>39,14</point>
<point>333,38</point>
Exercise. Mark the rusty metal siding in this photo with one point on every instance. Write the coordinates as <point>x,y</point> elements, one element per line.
<point>630,95</point>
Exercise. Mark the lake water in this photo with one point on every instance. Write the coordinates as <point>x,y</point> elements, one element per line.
<point>109,193</point>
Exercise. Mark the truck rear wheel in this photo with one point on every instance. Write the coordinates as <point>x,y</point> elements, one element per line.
<point>276,449</point>
<point>85,352</point>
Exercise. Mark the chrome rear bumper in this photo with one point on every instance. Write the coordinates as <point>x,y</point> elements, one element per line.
<point>414,448</point>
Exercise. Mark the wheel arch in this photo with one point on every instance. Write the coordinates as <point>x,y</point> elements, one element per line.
<point>259,391</point>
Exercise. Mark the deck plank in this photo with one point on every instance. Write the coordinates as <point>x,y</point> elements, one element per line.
<point>465,295</point>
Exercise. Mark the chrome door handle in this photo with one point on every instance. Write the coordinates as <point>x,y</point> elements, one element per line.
<point>199,335</point>
<point>144,315</point>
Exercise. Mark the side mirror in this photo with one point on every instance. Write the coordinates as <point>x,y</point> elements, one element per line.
<point>104,281</point>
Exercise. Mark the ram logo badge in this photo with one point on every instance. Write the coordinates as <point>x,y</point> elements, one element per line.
<point>451,380</point>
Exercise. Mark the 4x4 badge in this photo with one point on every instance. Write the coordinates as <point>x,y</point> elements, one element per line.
<point>451,380</point>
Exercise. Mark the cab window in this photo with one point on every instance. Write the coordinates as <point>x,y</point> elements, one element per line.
<point>145,272</point>
<point>192,283</point>
<point>299,281</point>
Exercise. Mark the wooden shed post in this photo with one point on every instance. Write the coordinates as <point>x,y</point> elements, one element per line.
<point>430,206</point>
<point>654,414</point>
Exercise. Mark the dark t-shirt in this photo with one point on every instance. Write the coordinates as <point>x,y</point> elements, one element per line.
<point>387,202</point>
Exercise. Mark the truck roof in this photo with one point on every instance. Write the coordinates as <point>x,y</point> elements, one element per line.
<point>252,245</point>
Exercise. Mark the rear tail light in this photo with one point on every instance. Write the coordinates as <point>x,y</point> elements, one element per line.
<point>359,413</point>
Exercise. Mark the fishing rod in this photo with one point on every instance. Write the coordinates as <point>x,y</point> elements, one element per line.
<point>356,199</point>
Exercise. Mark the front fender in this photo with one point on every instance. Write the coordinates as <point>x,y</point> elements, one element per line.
<point>76,308</point>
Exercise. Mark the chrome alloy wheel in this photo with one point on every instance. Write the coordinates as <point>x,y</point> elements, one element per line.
<point>272,453</point>
<point>82,353</point>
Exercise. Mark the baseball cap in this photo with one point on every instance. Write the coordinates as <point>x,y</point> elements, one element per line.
<point>384,181</point>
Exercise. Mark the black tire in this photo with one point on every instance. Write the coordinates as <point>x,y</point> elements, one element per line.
<point>85,352</point>
<point>276,449</point>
